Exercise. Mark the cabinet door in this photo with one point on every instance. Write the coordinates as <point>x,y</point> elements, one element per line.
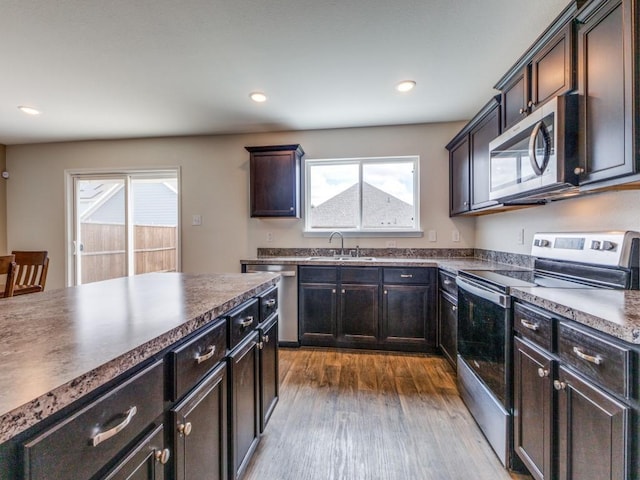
<point>317,313</point>
<point>448,325</point>
<point>459,178</point>
<point>515,96</point>
<point>269,381</point>
<point>480,136</point>
<point>199,430</point>
<point>605,77</point>
<point>244,405</point>
<point>145,461</point>
<point>593,437</point>
<point>358,320</point>
<point>275,182</point>
<point>408,317</point>
<point>533,421</point>
<point>552,69</point>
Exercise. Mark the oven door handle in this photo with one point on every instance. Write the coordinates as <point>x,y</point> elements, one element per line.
<point>494,297</point>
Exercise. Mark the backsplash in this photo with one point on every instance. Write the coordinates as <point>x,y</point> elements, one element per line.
<point>516,259</point>
<point>370,252</point>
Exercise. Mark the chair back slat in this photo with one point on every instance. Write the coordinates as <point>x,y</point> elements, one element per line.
<point>32,271</point>
<point>8,270</point>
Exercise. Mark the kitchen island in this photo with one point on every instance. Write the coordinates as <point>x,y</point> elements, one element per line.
<point>60,346</point>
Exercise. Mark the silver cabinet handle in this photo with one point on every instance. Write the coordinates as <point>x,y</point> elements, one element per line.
<point>558,385</point>
<point>246,323</point>
<point>597,360</point>
<point>386,292</point>
<point>543,372</point>
<point>98,438</point>
<point>333,290</point>
<point>266,338</point>
<point>206,356</point>
<point>454,308</point>
<point>270,303</point>
<point>406,275</point>
<point>163,456</point>
<point>529,325</point>
<point>578,170</point>
<point>447,282</point>
<point>344,291</point>
<point>185,429</point>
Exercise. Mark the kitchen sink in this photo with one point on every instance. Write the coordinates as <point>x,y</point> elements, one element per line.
<point>342,258</point>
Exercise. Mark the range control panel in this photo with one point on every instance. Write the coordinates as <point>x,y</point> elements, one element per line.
<point>598,248</point>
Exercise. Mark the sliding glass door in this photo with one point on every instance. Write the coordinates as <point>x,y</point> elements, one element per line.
<point>124,224</point>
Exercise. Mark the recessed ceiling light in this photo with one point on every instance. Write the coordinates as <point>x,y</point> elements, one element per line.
<point>405,86</point>
<point>29,110</point>
<point>258,97</point>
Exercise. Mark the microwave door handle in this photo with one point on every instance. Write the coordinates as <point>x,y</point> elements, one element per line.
<point>540,128</point>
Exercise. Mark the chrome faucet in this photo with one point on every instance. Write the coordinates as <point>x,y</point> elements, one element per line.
<point>341,241</point>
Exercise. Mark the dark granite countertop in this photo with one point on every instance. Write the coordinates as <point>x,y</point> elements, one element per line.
<point>59,345</point>
<point>450,264</point>
<point>615,312</point>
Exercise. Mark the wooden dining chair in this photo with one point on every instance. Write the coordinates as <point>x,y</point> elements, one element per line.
<point>31,272</point>
<point>8,270</point>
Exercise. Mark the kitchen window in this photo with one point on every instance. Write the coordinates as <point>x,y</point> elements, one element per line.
<point>122,224</point>
<point>374,195</point>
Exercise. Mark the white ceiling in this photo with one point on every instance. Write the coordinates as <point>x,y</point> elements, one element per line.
<point>101,69</point>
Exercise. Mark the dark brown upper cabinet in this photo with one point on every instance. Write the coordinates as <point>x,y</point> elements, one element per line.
<point>608,86</point>
<point>547,69</point>
<point>469,161</point>
<point>275,180</point>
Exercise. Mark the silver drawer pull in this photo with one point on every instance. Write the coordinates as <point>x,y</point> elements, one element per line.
<point>447,282</point>
<point>597,360</point>
<point>163,456</point>
<point>266,338</point>
<point>206,356</point>
<point>543,372</point>
<point>454,308</point>
<point>247,323</point>
<point>406,275</point>
<point>270,303</point>
<point>98,438</point>
<point>529,325</point>
<point>185,429</point>
<point>558,385</point>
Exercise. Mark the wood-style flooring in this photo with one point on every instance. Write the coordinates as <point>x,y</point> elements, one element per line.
<point>357,415</point>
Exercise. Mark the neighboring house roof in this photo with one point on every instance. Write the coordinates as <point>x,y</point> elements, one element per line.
<point>381,209</point>
<point>155,203</point>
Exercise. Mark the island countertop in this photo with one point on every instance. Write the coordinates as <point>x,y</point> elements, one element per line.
<point>57,346</point>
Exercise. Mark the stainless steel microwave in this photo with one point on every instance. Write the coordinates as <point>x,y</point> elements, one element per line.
<point>537,158</point>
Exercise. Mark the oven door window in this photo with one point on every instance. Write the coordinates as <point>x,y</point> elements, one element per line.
<point>482,340</point>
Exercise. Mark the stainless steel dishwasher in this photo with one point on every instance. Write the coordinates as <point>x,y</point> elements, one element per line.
<point>287,301</point>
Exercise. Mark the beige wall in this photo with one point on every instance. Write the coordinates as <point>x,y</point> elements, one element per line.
<point>3,203</point>
<point>603,211</point>
<point>215,180</point>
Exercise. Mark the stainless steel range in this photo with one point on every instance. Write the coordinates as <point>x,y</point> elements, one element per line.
<point>562,260</point>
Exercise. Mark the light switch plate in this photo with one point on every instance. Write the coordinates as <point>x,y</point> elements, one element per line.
<point>455,236</point>
<point>196,220</point>
<point>433,236</point>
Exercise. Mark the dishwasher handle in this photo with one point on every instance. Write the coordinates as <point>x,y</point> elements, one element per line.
<point>284,272</point>
<point>475,289</point>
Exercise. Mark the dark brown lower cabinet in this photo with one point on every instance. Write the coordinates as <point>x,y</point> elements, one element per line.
<point>593,440</point>
<point>269,381</point>
<point>199,424</point>
<point>358,319</point>
<point>533,407</point>
<point>317,313</point>
<point>448,328</point>
<point>244,404</point>
<point>407,317</point>
<point>146,461</point>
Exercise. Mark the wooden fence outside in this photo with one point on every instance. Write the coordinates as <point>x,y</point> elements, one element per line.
<point>104,254</point>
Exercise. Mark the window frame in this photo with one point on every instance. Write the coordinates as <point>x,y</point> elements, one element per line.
<point>414,231</point>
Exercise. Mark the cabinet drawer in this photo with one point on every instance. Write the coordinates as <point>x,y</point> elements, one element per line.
<point>82,444</point>
<point>318,274</point>
<point>599,359</point>
<point>360,275</point>
<point>534,325</point>
<point>448,283</point>
<point>242,322</point>
<point>268,303</point>
<point>409,275</point>
<point>190,362</point>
